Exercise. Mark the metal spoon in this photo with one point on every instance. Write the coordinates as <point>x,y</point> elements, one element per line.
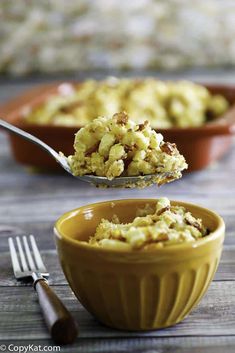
<point>127,181</point>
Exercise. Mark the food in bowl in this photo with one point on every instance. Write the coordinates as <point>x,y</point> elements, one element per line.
<point>117,146</point>
<point>137,290</point>
<point>163,104</point>
<point>158,225</point>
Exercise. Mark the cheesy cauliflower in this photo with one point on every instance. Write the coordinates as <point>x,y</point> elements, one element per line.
<point>163,104</point>
<point>158,226</point>
<point>116,146</point>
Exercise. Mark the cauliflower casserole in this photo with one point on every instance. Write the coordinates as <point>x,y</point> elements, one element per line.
<point>163,104</point>
<point>113,147</point>
<point>158,226</point>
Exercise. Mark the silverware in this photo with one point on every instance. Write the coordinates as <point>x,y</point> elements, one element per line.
<point>28,264</point>
<point>128,181</point>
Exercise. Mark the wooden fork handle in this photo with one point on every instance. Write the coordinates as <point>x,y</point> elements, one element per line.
<point>60,322</point>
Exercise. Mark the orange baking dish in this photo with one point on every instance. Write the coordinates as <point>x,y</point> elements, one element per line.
<point>200,145</point>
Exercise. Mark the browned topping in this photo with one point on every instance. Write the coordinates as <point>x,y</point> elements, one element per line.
<point>70,108</point>
<point>128,148</point>
<point>120,237</point>
<point>210,115</point>
<point>162,210</point>
<point>168,148</point>
<point>162,237</point>
<point>127,161</point>
<point>194,224</point>
<point>122,118</point>
<point>92,149</point>
<point>141,127</point>
<point>167,179</point>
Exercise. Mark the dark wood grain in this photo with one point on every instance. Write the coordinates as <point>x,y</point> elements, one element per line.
<point>30,202</point>
<point>139,345</point>
<point>214,316</point>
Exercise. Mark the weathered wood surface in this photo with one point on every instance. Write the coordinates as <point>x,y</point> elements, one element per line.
<point>30,203</point>
<point>211,318</point>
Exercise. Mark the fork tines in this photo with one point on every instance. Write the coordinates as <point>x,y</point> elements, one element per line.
<point>27,261</point>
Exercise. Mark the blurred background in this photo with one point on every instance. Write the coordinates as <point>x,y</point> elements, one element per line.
<point>71,36</point>
<point>60,40</point>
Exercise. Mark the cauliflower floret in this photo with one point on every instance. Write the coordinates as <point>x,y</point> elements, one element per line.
<point>136,138</point>
<point>84,140</point>
<point>117,146</point>
<point>218,105</point>
<point>116,152</point>
<point>115,169</point>
<point>106,143</point>
<point>155,139</point>
<point>139,155</point>
<point>166,225</point>
<point>162,203</point>
<point>96,163</point>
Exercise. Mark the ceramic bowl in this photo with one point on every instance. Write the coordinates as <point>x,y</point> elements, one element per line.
<point>136,290</point>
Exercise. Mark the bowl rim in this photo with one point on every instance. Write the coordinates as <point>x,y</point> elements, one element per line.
<point>215,235</point>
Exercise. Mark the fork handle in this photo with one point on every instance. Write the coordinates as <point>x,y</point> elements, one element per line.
<point>60,322</point>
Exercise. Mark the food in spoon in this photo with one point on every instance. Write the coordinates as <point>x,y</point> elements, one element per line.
<point>114,147</point>
<point>159,226</point>
<point>164,104</point>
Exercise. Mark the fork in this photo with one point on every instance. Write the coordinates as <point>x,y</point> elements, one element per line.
<point>61,325</point>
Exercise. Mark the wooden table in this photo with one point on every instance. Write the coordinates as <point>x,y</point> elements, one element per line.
<point>30,203</point>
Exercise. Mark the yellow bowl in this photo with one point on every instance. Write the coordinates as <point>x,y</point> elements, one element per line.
<point>137,290</point>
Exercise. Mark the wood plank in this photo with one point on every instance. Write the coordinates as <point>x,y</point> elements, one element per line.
<point>212,185</point>
<point>21,318</point>
<point>48,207</point>
<point>225,270</point>
<point>218,344</point>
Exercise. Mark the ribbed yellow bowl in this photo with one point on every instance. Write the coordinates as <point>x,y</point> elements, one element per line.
<point>137,290</point>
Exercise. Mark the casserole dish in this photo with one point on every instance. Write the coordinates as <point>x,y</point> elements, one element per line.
<point>200,145</point>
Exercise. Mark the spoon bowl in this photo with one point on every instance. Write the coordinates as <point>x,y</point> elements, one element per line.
<point>125,181</point>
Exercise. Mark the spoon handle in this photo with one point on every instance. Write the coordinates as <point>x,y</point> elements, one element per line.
<point>27,136</point>
<point>60,159</point>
